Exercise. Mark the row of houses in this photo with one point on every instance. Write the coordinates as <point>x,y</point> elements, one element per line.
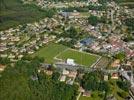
<point>26,39</point>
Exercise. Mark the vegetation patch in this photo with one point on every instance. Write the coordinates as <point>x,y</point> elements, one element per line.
<point>14,12</point>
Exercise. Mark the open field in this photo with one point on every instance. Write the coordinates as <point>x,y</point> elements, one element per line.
<point>13,13</point>
<point>81,58</point>
<point>90,98</point>
<point>62,52</point>
<point>94,96</point>
<point>50,51</point>
<point>103,62</point>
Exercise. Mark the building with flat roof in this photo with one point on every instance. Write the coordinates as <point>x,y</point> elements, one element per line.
<point>70,62</point>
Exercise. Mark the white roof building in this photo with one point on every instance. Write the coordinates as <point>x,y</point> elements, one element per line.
<point>71,62</point>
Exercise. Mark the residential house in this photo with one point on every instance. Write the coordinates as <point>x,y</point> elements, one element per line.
<point>2,67</point>
<point>115,76</point>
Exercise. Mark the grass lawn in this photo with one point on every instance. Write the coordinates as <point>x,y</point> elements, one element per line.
<point>95,96</point>
<point>103,62</point>
<point>90,98</point>
<point>85,14</point>
<point>84,98</point>
<point>50,51</point>
<point>81,58</point>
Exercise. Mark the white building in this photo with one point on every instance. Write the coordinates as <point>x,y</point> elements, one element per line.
<point>70,62</point>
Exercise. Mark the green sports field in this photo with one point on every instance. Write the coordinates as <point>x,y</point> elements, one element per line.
<point>50,51</point>
<point>62,52</point>
<point>81,58</point>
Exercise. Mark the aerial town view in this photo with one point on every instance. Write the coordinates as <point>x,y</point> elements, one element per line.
<point>66,49</point>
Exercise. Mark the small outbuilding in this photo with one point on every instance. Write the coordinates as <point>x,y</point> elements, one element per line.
<point>87,93</point>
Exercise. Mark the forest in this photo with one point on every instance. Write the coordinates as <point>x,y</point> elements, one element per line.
<point>21,81</point>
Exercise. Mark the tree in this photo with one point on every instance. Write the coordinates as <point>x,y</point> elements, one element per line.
<point>104,86</point>
<point>129,37</point>
<point>102,1</point>
<point>120,55</point>
<point>55,76</point>
<point>72,32</point>
<point>50,12</point>
<point>124,85</point>
<point>16,84</point>
<point>93,20</point>
<point>92,81</point>
<point>4,61</point>
<point>122,94</point>
<point>130,23</point>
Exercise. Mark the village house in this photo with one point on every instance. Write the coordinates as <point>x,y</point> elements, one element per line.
<point>81,89</point>
<point>11,56</point>
<point>114,76</point>
<point>78,45</point>
<point>2,67</point>
<point>72,74</point>
<point>105,77</point>
<point>3,55</point>
<point>65,72</point>
<point>86,93</point>
<point>116,63</point>
<point>63,78</point>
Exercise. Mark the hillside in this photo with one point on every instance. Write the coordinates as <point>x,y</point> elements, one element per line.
<point>14,12</point>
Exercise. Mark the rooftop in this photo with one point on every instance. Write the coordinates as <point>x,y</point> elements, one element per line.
<point>87,41</point>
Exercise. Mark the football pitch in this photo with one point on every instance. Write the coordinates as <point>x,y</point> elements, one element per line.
<point>62,52</point>
<point>81,58</point>
<point>50,51</point>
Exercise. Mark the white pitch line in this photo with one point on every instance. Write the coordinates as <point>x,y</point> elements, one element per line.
<point>96,62</point>
<point>61,53</point>
<point>80,52</point>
